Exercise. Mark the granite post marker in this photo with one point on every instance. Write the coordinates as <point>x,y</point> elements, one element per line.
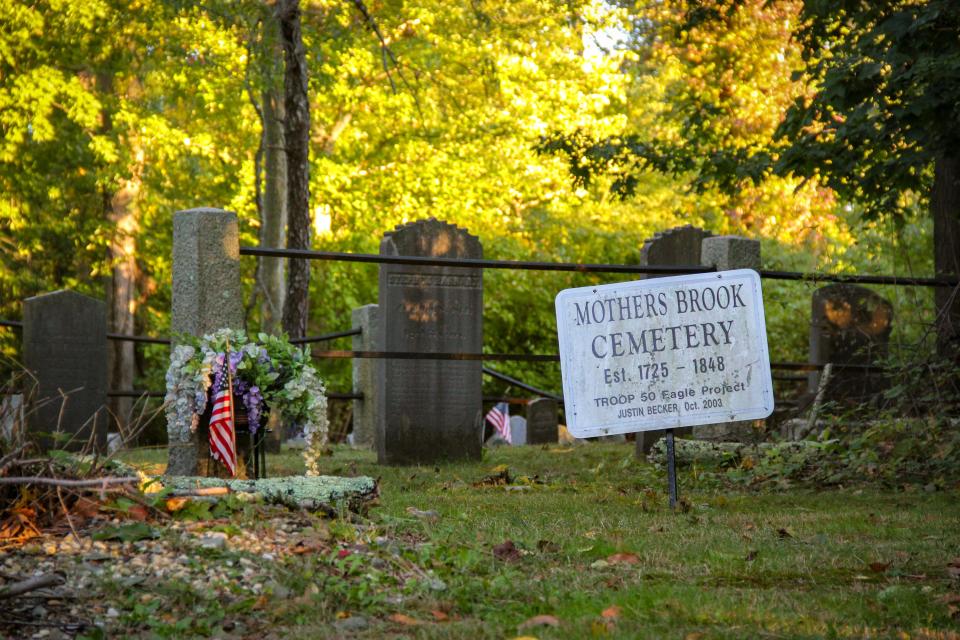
<point>206,297</point>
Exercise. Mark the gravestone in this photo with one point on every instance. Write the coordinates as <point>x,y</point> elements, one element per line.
<point>850,325</point>
<point>65,347</point>
<point>11,417</point>
<point>726,253</point>
<point>518,430</point>
<point>542,421</point>
<point>368,374</point>
<point>433,407</point>
<point>206,297</point>
<point>678,246</point>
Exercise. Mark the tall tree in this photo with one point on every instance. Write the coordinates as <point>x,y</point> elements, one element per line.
<point>297,139</point>
<point>883,128</point>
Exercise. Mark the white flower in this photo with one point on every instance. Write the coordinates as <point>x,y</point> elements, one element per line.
<point>189,377</point>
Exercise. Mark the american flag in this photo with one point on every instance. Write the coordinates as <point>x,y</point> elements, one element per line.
<point>499,417</point>
<point>222,440</point>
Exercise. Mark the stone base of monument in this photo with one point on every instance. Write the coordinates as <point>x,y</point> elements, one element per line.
<point>331,494</point>
<point>742,431</point>
<point>689,452</point>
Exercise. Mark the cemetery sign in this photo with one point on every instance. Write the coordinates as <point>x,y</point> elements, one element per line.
<point>663,353</point>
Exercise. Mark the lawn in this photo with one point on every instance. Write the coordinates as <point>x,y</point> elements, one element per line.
<point>571,542</point>
<point>591,534</point>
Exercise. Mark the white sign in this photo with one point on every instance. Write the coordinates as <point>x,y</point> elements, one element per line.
<point>664,353</point>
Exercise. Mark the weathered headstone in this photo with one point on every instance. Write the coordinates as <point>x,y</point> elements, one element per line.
<point>433,406</point>
<point>726,253</point>
<point>850,325</point>
<point>65,347</point>
<point>673,247</point>
<point>368,374</point>
<point>206,297</point>
<point>11,417</point>
<point>542,421</point>
<point>518,430</point>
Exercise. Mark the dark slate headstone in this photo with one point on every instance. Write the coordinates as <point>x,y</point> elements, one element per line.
<point>432,407</point>
<point>679,246</point>
<point>65,347</point>
<point>850,325</point>
<point>542,421</point>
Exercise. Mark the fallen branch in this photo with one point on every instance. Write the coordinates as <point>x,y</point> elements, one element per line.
<point>31,584</point>
<point>95,483</point>
<point>10,458</point>
<point>202,491</point>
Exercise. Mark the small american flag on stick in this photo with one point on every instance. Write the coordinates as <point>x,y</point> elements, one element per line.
<point>222,437</point>
<point>499,417</point>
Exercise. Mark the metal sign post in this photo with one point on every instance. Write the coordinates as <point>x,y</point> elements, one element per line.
<point>671,470</point>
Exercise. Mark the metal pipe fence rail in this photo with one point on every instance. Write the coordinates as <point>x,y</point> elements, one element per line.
<point>417,355</point>
<point>471,263</point>
<point>477,263</point>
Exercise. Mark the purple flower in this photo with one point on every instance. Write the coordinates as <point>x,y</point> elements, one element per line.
<point>253,401</point>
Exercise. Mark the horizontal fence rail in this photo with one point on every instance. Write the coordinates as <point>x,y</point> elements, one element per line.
<point>122,337</point>
<point>478,263</point>
<point>328,336</point>
<point>472,263</point>
<point>519,383</point>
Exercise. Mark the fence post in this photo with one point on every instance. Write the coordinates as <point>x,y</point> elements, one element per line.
<point>368,376</point>
<point>206,297</point>
<point>727,253</point>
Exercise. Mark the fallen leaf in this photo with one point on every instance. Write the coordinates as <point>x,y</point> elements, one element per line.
<point>879,567</point>
<point>624,558</point>
<point>137,512</point>
<point>953,568</point>
<point>404,619</point>
<point>499,476</point>
<point>176,504</point>
<point>526,638</point>
<point>695,635</point>
<point>751,555</point>
<point>611,613</point>
<point>342,615</point>
<point>439,616</point>
<point>546,546</point>
<point>86,508</point>
<point>544,620</point>
<point>506,551</point>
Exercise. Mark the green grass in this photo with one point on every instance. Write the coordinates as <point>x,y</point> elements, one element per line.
<point>800,564</point>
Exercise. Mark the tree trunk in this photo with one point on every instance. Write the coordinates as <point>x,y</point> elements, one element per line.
<point>945,207</point>
<point>122,300</point>
<point>122,296</point>
<point>274,215</point>
<point>297,136</point>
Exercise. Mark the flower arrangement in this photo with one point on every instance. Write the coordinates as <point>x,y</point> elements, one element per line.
<point>270,372</point>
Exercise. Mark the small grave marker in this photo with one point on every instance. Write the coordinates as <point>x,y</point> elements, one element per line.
<point>664,353</point>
